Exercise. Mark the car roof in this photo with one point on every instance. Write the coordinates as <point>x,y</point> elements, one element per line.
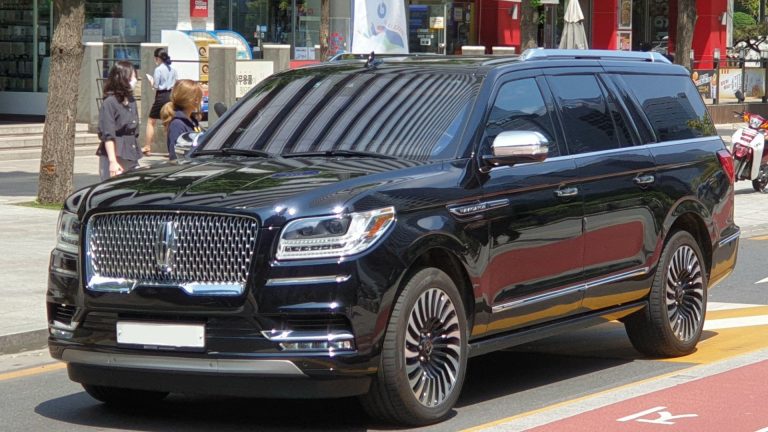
<point>482,64</point>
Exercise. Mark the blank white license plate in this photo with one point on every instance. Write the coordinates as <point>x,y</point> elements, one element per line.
<point>156,334</point>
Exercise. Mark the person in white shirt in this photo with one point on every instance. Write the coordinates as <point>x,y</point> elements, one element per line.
<point>163,79</point>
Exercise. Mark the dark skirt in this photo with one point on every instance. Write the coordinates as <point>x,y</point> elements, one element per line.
<point>162,97</point>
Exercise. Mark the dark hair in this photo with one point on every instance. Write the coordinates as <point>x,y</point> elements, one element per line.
<point>119,81</point>
<point>162,54</point>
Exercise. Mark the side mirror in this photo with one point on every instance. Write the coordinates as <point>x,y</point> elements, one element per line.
<point>513,147</point>
<point>187,142</point>
<point>219,108</point>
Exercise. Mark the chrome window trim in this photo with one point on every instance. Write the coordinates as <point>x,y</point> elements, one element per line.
<point>568,290</point>
<point>309,280</point>
<point>609,151</point>
<point>730,238</point>
<point>183,364</point>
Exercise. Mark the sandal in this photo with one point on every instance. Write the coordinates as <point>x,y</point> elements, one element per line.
<point>145,150</point>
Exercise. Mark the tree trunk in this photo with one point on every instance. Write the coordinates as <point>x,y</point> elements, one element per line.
<point>58,155</point>
<point>325,28</point>
<point>529,25</point>
<point>686,21</point>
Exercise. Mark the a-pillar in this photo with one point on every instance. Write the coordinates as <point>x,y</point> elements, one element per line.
<point>605,24</point>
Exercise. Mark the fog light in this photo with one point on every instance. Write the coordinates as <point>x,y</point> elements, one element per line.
<point>342,345</point>
<point>61,334</point>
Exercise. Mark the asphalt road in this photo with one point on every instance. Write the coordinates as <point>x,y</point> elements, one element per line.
<point>528,378</point>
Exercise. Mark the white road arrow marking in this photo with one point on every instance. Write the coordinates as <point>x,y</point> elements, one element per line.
<point>762,281</point>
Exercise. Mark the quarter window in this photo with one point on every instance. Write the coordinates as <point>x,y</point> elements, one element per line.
<point>588,123</point>
<point>519,106</point>
<point>672,106</point>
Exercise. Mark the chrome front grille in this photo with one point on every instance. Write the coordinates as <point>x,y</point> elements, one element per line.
<point>203,253</point>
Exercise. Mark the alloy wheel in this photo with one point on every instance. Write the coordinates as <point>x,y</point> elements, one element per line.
<point>432,348</point>
<point>685,293</point>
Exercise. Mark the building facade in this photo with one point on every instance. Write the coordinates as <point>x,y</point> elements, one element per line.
<point>433,26</point>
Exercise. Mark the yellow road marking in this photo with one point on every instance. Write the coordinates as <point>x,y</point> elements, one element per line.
<point>759,238</point>
<point>737,313</point>
<point>32,371</point>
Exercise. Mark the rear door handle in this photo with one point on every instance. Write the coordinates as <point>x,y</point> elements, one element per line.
<point>645,179</point>
<point>567,192</point>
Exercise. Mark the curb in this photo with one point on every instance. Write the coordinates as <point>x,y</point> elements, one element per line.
<point>24,341</point>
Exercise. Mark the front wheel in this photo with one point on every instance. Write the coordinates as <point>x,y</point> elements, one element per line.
<point>761,181</point>
<point>424,353</point>
<point>672,323</point>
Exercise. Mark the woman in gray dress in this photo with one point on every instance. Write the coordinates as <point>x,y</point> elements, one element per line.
<point>119,123</point>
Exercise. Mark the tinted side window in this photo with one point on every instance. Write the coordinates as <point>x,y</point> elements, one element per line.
<point>587,121</point>
<point>519,106</point>
<point>672,105</point>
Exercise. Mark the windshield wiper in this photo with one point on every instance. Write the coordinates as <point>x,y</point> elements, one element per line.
<point>332,153</point>
<point>235,152</point>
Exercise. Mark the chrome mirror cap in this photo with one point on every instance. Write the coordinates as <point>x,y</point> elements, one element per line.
<point>514,147</point>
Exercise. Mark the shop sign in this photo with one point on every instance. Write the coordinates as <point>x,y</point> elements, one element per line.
<point>437,22</point>
<point>250,73</point>
<point>198,8</point>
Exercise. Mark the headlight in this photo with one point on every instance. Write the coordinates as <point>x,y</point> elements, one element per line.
<point>333,236</point>
<point>68,235</point>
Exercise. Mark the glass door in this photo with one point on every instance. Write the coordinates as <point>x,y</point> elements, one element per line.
<point>427,26</point>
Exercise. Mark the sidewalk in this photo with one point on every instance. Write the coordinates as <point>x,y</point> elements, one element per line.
<point>27,236</point>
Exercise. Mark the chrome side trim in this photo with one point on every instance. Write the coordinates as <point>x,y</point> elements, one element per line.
<point>125,286</point>
<point>305,336</point>
<point>463,210</point>
<point>310,280</point>
<point>182,364</point>
<point>561,292</point>
<point>730,238</point>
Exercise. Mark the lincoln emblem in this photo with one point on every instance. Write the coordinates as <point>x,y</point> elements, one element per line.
<point>166,246</point>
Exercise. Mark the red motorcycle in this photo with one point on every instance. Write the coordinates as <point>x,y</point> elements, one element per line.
<point>749,158</point>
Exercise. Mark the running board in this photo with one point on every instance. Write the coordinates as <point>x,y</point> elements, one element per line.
<point>518,337</point>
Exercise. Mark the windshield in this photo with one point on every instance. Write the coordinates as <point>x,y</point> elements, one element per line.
<point>408,112</point>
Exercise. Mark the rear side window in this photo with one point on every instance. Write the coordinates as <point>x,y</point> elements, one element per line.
<point>587,121</point>
<point>672,105</point>
<point>519,106</point>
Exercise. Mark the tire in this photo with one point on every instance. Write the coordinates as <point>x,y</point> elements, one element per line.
<point>424,353</point>
<point>123,396</point>
<point>761,181</point>
<point>672,323</point>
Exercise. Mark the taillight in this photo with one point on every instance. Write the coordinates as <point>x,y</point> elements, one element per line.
<point>726,161</point>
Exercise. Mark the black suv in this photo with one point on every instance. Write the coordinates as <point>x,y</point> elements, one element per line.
<point>362,228</point>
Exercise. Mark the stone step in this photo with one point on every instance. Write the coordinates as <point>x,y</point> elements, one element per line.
<point>33,129</point>
<point>34,152</point>
<point>36,141</point>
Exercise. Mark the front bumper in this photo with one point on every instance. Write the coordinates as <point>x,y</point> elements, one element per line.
<point>280,378</point>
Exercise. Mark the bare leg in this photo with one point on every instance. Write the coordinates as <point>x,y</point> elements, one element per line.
<point>150,135</point>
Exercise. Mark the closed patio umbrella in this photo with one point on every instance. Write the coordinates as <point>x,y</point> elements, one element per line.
<point>574,36</point>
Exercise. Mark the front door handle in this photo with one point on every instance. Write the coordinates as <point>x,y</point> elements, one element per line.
<point>644,180</point>
<point>567,192</point>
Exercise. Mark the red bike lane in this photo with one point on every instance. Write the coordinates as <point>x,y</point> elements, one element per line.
<point>733,401</point>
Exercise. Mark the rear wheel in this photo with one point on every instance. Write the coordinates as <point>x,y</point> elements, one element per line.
<point>424,354</point>
<point>123,396</point>
<point>672,323</point>
<point>761,181</point>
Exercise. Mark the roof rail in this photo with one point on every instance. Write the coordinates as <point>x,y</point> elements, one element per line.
<point>552,54</point>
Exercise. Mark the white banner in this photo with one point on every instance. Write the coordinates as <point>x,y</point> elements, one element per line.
<point>379,26</point>
<point>249,73</point>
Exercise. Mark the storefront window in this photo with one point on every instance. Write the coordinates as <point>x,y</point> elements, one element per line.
<point>120,24</point>
<point>440,27</point>
<point>291,22</point>
<point>24,44</point>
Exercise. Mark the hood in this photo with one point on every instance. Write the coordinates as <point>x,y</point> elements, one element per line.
<point>306,186</point>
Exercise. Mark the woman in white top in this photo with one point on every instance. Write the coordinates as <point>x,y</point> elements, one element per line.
<point>163,80</point>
